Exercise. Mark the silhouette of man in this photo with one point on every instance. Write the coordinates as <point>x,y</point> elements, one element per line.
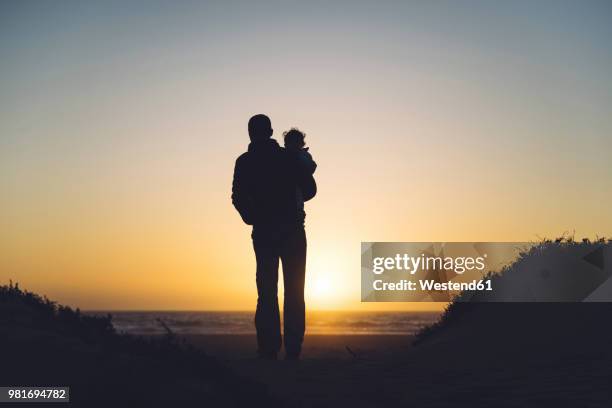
<point>263,192</point>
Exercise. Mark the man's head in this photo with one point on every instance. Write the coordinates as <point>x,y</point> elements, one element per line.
<point>260,128</point>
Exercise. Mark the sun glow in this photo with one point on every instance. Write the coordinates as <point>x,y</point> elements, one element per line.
<point>322,292</point>
<point>321,287</point>
<point>324,282</point>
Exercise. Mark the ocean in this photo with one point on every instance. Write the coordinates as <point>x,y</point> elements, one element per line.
<point>317,322</point>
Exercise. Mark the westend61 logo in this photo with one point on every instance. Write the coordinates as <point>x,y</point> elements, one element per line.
<point>430,271</point>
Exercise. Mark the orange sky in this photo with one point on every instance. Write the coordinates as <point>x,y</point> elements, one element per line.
<point>119,130</point>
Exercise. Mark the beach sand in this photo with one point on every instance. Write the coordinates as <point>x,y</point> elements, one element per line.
<point>388,371</point>
<point>234,348</point>
<point>327,375</point>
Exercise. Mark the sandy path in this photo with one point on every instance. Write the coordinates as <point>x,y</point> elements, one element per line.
<point>389,372</point>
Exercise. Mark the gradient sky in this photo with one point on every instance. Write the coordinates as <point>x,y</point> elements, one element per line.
<point>430,121</point>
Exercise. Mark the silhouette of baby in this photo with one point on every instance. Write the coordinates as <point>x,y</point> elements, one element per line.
<point>306,166</point>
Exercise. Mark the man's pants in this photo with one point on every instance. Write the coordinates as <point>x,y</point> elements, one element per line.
<point>287,243</point>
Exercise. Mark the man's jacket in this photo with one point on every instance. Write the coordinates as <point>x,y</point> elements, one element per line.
<point>264,186</point>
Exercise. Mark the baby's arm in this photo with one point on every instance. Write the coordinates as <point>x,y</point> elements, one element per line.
<point>307,164</point>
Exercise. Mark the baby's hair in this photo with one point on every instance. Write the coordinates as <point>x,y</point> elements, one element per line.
<point>294,137</point>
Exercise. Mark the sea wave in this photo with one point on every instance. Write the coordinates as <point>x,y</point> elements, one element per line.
<point>187,323</point>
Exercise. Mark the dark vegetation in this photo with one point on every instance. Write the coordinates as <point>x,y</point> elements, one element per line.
<point>46,344</point>
<point>496,318</point>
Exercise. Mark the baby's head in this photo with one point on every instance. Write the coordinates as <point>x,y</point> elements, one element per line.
<point>294,139</point>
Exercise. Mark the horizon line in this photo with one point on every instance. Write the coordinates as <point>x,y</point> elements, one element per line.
<point>250,311</point>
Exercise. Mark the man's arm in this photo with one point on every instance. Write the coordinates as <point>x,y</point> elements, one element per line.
<point>240,196</point>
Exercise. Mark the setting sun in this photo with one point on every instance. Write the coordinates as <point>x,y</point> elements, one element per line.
<point>321,292</point>
<point>327,284</point>
<point>321,288</point>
